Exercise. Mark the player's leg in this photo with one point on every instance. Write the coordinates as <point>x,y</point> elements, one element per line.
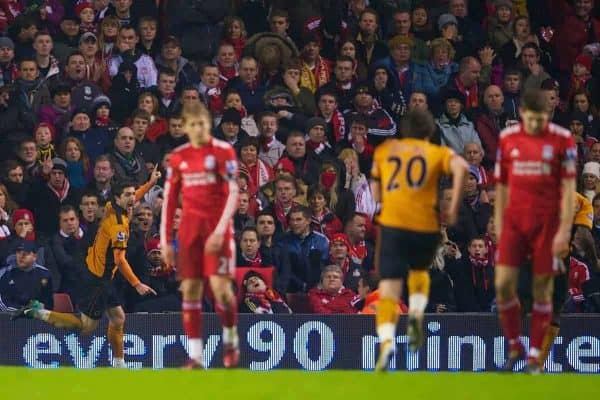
<point>191,293</point>
<point>116,327</point>
<point>392,268</point>
<point>559,296</point>
<point>541,316</point>
<point>509,309</point>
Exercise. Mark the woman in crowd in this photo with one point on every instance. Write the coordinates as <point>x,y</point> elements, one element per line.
<point>323,219</point>
<point>78,163</point>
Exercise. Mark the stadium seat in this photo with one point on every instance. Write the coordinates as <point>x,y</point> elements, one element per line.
<point>62,303</point>
<point>240,272</point>
<point>298,302</point>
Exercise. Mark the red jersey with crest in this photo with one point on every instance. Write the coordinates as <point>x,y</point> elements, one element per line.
<point>202,177</point>
<point>532,167</point>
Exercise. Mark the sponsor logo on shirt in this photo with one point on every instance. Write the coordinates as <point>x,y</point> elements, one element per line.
<point>199,179</point>
<point>531,168</point>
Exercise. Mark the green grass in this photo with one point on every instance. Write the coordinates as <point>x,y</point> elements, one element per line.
<point>108,384</point>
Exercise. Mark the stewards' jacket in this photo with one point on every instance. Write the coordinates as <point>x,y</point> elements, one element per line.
<point>19,286</point>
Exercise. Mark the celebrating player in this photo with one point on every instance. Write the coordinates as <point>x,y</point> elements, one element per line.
<point>204,173</point>
<point>535,173</point>
<point>405,178</point>
<point>97,293</point>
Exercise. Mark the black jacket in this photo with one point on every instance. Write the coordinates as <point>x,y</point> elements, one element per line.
<point>66,260</point>
<point>46,205</point>
<point>441,291</point>
<point>278,257</point>
<point>18,287</point>
<point>473,286</point>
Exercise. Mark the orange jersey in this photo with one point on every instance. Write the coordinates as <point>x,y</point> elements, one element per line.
<point>409,171</point>
<point>584,212</point>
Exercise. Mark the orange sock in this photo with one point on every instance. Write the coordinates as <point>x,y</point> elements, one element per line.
<point>386,318</point>
<point>115,338</point>
<point>64,320</point>
<point>548,342</point>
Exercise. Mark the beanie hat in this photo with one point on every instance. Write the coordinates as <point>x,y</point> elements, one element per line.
<point>315,121</point>
<point>20,214</point>
<point>592,168</point>
<point>446,19</point>
<point>232,115</point>
<point>5,41</point>
<point>100,101</point>
<point>286,165</point>
<point>584,60</point>
<point>152,245</point>
<point>82,5</point>
<point>59,164</point>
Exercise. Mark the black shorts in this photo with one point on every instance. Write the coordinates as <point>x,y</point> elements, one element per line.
<point>96,296</point>
<point>399,250</point>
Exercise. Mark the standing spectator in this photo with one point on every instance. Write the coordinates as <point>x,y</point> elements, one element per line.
<point>260,299</point>
<point>400,65</point>
<point>358,183</point>
<point>229,130</point>
<point>305,164</point>
<point>88,209</point>
<point>456,129</point>
<point>67,249</point>
<point>370,48</point>
<point>285,191</point>
<point>175,136</point>
<point>78,163</point>
<point>309,250</point>
<point>148,30</point>
<point>126,163</point>
<point>247,85</point>
<point>46,198</point>
<point>94,140</point>
<point>315,70</point>
<point>271,149</point>
<point>343,84</point>
<point>59,112</point>
<point>31,92</point>
<point>361,251</point>
<point>67,40</point>
<point>441,296</point>
<point>24,279</point>
<point>273,252</point>
<point>430,77</point>
<point>258,172</point>
<point>126,43</point>
<point>331,297</point>
<point>490,123</point>
<point>170,57</point>
<point>323,219</point>
<point>466,81</point>
<point>46,62</point>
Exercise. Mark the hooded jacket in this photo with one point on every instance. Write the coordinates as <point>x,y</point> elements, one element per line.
<point>457,135</point>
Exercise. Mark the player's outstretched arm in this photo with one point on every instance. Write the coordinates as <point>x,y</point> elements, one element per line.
<point>458,168</point>
<point>127,272</point>
<point>142,190</point>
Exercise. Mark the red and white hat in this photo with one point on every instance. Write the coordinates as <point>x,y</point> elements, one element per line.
<point>22,214</point>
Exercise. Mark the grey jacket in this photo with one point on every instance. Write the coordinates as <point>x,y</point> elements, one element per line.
<point>456,136</point>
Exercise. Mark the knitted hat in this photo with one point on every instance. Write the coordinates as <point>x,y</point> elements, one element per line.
<point>446,19</point>
<point>341,238</point>
<point>232,115</point>
<point>504,3</point>
<point>100,101</point>
<point>59,164</point>
<point>315,121</point>
<point>286,165</point>
<point>6,42</point>
<point>152,245</point>
<point>473,170</point>
<point>82,5</point>
<point>79,111</point>
<point>592,168</point>
<point>22,214</point>
<point>88,37</point>
<point>584,60</point>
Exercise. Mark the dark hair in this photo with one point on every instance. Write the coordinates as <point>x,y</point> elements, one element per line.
<point>369,279</point>
<point>531,45</point>
<point>146,18</point>
<point>358,119</point>
<point>517,19</point>
<point>66,209</point>
<point>295,133</point>
<point>249,229</point>
<point>73,54</point>
<point>369,11</point>
<point>264,213</point>
<point>279,13</point>
<point>306,213</point>
<point>284,178</point>
<point>534,100</point>
<point>263,114</point>
<point>315,189</point>
<point>117,188</point>
<point>167,71</point>
<point>479,237</point>
<point>141,114</point>
<point>597,196</point>
<point>249,141</point>
<point>41,33</point>
<point>207,65</point>
<point>513,71</point>
<point>417,124</point>
<point>9,165</point>
<point>89,193</point>
<point>326,92</point>
<point>28,59</point>
<point>344,59</point>
<point>127,28</point>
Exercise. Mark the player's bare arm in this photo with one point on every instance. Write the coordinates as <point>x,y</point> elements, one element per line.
<point>127,272</point>
<point>142,190</point>
<point>499,206</point>
<point>376,190</point>
<point>560,244</point>
<point>458,167</point>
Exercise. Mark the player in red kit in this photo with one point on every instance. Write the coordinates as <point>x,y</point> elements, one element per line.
<point>203,172</point>
<point>535,203</point>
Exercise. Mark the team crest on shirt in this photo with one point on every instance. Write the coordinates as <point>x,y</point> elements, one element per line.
<point>515,153</point>
<point>547,152</point>
<point>231,167</point>
<point>183,165</point>
<point>210,162</point>
<point>121,236</point>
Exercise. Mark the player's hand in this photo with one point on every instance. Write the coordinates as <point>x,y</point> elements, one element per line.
<point>156,175</point>
<point>214,243</point>
<point>168,254</point>
<point>560,244</point>
<point>450,217</point>
<point>144,290</point>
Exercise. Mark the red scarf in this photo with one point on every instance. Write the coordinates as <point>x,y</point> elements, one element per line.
<point>281,215</point>
<point>102,121</point>
<point>255,262</point>
<point>358,252</point>
<point>260,174</point>
<point>577,84</point>
<point>225,74</point>
<point>61,193</point>
<point>238,45</point>
<point>479,263</point>
<point>321,71</point>
<point>339,126</point>
<point>215,100</point>
<point>472,94</point>
<point>491,248</point>
<point>266,298</point>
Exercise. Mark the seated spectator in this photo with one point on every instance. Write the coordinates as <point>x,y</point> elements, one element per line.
<point>14,180</point>
<point>305,163</point>
<point>361,251</point>
<point>242,218</point>
<point>534,73</point>
<point>477,201</point>
<point>473,278</point>
<point>260,299</point>
<point>590,179</point>
<point>46,198</point>
<point>317,142</point>
<point>101,109</point>
<point>234,100</point>
<point>456,129</point>
<point>67,249</point>
<point>211,92</point>
<point>95,141</point>
<point>43,140</point>
<point>27,157</point>
<point>149,43</point>
<point>24,280</point>
<point>235,34</point>
<point>230,130</point>
<point>331,297</point>
<point>511,89</point>
<point>143,221</point>
<point>67,39</point>
<point>31,91</point>
<point>174,137</point>
<point>165,92</point>
<point>328,110</point>
<point>474,155</point>
<point>500,25</point>
<point>271,149</point>
<point>323,219</point>
<point>83,92</point>
<point>95,66</point>
<point>126,163</point>
<point>285,191</point>
<point>249,250</point>
<point>368,293</point>
<point>391,100</point>
<point>358,183</point>
<point>336,181</point>
<point>465,228</point>
<point>103,174</point>
<point>343,84</point>
<point>273,252</point>
<point>315,70</point>
<point>124,91</point>
<point>434,75</point>
<point>247,85</point>
<point>79,172</point>
<point>8,67</point>
<point>127,39</point>
<point>227,62</point>
<point>303,96</point>
<point>144,148</point>
<point>339,254</point>
<point>170,57</point>
<point>309,251</point>
<point>557,114</point>
<point>58,113</point>
<point>357,140</point>
<point>280,100</point>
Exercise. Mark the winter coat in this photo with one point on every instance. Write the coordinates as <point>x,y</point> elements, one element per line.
<point>408,86</point>
<point>441,291</point>
<point>147,74</point>
<point>429,79</point>
<point>252,98</point>
<point>278,257</point>
<point>488,128</point>
<point>19,286</point>
<point>95,141</point>
<point>45,206</point>
<point>473,285</point>
<point>186,73</point>
<point>323,302</point>
<point>307,256</point>
<point>456,136</point>
<point>58,117</point>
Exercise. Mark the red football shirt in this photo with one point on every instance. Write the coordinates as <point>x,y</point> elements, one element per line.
<point>532,167</point>
<point>203,178</point>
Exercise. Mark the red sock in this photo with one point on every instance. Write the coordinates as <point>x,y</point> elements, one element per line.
<point>227,313</point>
<point>510,319</point>
<point>541,317</point>
<point>192,318</point>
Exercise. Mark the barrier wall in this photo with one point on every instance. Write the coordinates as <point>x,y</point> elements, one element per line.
<point>454,342</point>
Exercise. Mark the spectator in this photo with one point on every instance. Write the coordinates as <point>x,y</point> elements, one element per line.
<point>88,208</point>
<point>357,141</point>
<point>260,299</point>
<point>391,100</point>
<point>401,27</point>
<point>500,25</point>
<point>46,198</point>
<point>210,90</point>
<point>369,47</point>
<point>490,123</point>
<point>331,297</point>
<point>343,84</point>
<point>309,250</point>
<point>24,280</point>
<point>67,248</point>
<point>441,293</point>
<point>47,64</point>
<point>273,252</point>
<point>242,218</point>
<point>456,129</point>
<point>468,27</point>
<point>165,92</point>
<point>400,65</point>
<point>473,278</point>
<point>271,149</point>
<point>144,221</point>
<point>358,184</point>
<point>247,85</point>
<point>466,81</point>
<point>83,92</point>
<point>235,34</point>
<point>234,100</point>
<point>590,178</point>
<point>328,110</point>
<point>361,252</point>
<point>448,27</point>
<point>43,140</point>
<point>303,97</point>
<point>534,72</point>
<point>315,70</point>
<point>336,182</point>
<point>557,115</point>
<point>281,101</point>
<point>125,91</point>
<point>348,49</point>
<point>323,219</point>
<point>148,151</point>
<point>258,172</point>
<point>103,174</point>
<point>230,130</point>
<point>31,92</point>
<point>175,136</point>
<point>285,191</point>
<point>126,163</point>
<point>513,79</point>
<point>27,156</point>
<point>126,43</point>
<point>67,40</point>
<point>305,164</point>
<point>316,142</point>
<point>430,77</point>
<point>158,125</point>
<point>78,163</point>
<point>510,53</point>
<point>464,230</point>
<point>581,77</point>
<point>581,102</point>
<point>149,43</point>
<point>95,66</point>
<point>9,71</point>
<point>94,140</point>
<point>474,155</point>
<point>87,14</point>
<point>14,180</point>
<point>107,35</point>
<point>249,250</point>
<point>227,62</point>
<point>101,109</point>
<point>339,254</point>
<point>279,22</point>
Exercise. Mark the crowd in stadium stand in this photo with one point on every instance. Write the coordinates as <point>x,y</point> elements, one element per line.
<point>91,94</point>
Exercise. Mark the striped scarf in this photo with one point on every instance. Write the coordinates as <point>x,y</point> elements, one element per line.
<point>313,80</point>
